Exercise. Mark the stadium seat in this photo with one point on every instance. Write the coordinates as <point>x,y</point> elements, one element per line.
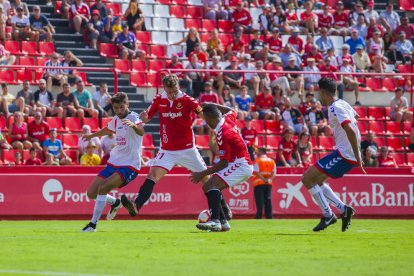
<point>178,2</point>
<point>376,127</point>
<point>387,111</point>
<point>158,51</point>
<point>72,154</point>
<point>225,26</point>
<point>139,65</point>
<point>393,128</point>
<point>326,142</point>
<point>395,143</point>
<point>193,22</point>
<point>164,2</point>
<point>208,25</point>
<point>84,78</point>
<point>272,142</point>
<point>29,48</point>
<point>399,158</point>
<point>389,84</point>
<point>194,12</point>
<point>27,61</point>
<point>105,121</point>
<point>404,68</point>
<point>176,24</point>
<point>55,122</point>
<point>13,47</point>
<point>58,5</point>
<point>108,50</point>
<point>314,142</point>
<point>122,65</point>
<point>73,124</point>
<point>175,37</point>
<point>376,113</point>
<point>7,76</point>
<point>143,48</point>
<point>177,11</point>
<point>410,158</point>
<point>41,61</point>
<point>70,141</point>
<point>147,142</point>
<point>3,125</point>
<point>25,155</point>
<point>146,9</point>
<point>159,38</point>
<point>116,8</point>
<point>261,141</point>
<point>148,153</point>
<point>46,48</point>
<point>143,37</point>
<point>201,142</point>
<point>92,122</point>
<point>380,141</point>
<point>322,154</point>
<point>160,24</point>
<point>225,38</point>
<point>362,126</point>
<point>406,5</point>
<point>273,127</point>
<point>406,128</point>
<point>24,74</point>
<point>161,10</point>
<point>259,126</point>
<point>240,124</point>
<point>8,156</point>
<point>362,112</point>
<point>332,3</point>
<point>155,65</point>
<point>152,80</point>
<point>138,79</point>
<point>374,84</point>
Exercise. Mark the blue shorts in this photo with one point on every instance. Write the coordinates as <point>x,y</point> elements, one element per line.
<point>333,165</point>
<point>13,108</point>
<point>126,173</point>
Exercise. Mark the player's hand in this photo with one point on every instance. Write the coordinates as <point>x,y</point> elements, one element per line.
<point>87,137</point>
<point>144,116</point>
<point>128,123</point>
<point>299,165</point>
<point>361,166</point>
<point>196,177</point>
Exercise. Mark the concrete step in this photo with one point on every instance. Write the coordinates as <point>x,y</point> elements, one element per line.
<point>68,37</point>
<point>70,45</point>
<point>60,22</point>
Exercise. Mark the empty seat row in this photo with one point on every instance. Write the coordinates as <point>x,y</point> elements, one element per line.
<point>153,51</point>
<point>126,66</point>
<point>384,128</point>
<point>18,76</point>
<point>31,48</point>
<point>378,113</point>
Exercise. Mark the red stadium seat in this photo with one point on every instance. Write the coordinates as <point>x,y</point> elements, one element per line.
<point>108,50</point>
<point>393,128</point>
<point>406,5</point>
<point>122,65</point>
<point>73,124</point>
<point>376,127</point>
<point>260,141</point>
<point>362,126</point>
<point>147,153</point>
<point>225,38</point>
<point>193,22</point>
<point>376,113</point>
<point>143,37</point>
<point>147,142</point>
<point>29,48</point>
<point>24,74</point>
<point>332,3</point>
<point>259,126</point>
<point>362,112</point>
<point>58,5</point>
<point>82,75</point>
<point>139,65</point>
<point>55,122</point>
<point>70,141</point>
<point>326,142</point>
<point>225,26</point>
<point>152,80</point>
<point>72,154</point>
<point>380,141</point>
<point>374,84</point>
<point>41,61</point>
<point>273,127</point>
<point>208,25</point>
<point>25,155</point>
<point>240,124</point>
<point>158,51</point>
<point>164,2</point>
<point>3,126</point>
<point>406,127</point>
<point>105,121</point>
<point>387,111</point>
<point>194,12</point>
<point>46,48</point>
<point>92,122</point>
<point>395,143</point>
<point>389,84</point>
<point>201,142</point>
<point>272,142</point>
<point>8,155</point>
<point>138,79</point>
<point>178,2</point>
<point>25,60</point>
<point>399,158</point>
<point>204,37</point>
<point>322,154</point>
<point>410,158</point>
<point>7,76</point>
<point>13,47</point>
<point>116,8</point>
<point>177,11</point>
<point>155,65</point>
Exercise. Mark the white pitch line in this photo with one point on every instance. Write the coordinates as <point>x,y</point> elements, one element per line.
<point>57,273</point>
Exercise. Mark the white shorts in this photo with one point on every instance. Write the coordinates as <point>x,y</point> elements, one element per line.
<point>236,172</point>
<point>188,158</point>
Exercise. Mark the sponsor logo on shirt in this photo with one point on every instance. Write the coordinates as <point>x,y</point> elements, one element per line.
<point>172,115</point>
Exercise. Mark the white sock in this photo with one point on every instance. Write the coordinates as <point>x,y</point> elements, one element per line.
<point>98,209</point>
<point>110,199</point>
<point>320,199</point>
<point>333,198</point>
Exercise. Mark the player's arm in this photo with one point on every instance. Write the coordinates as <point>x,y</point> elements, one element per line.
<point>223,109</point>
<point>138,128</point>
<point>350,133</point>
<point>99,133</point>
<point>147,114</point>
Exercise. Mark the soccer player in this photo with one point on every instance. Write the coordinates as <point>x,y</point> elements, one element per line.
<point>347,154</point>
<point>124,162</point>
<point>234,167</point>
<point>177,141</point>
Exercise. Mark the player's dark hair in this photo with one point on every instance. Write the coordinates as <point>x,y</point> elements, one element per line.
<point>171,81</point>
<point>119,97</point>
<point>328,85</point>
<point>262,150</point>
<point>211,110</point>
<point>398,89</point>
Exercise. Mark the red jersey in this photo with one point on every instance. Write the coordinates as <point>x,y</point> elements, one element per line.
<point>208,98</point>
<point>175,120</point>
<point>202,57</point>
<point>325,21</point>
<point>349,56</point>
<point>242,17</point>
<point>305,16</point>
<point>30,162</point>
<point>273,67</point>
<point>178,65</point>
<point>275,44</point>
<point>291,16</point>
<point>371,30</point>
<point>318,57</point>
<point>249,136</point>
<point>236,47</point>
<point>287,148</point>
<point>82,9</point>
<point>340,20</point>
<point>330,69</point>
<point>296,43</point>
<point>230,143</point>
<point>389,162</point>
<point>39,131</point>
<point>213,74</point>
<point>409,30</point>
<point>264,101</point>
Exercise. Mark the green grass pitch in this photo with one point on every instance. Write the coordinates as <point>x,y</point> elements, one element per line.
<point>176,247</point>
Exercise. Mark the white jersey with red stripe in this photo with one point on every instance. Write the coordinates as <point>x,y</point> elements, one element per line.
<point>128,149</point>
<point>339,114</point>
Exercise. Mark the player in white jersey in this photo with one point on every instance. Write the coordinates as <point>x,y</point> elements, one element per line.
<point>347,154</point>
<point>124,162</point>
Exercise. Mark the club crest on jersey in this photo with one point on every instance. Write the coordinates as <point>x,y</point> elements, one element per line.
<point>221,152</point>
<point>179,105</point>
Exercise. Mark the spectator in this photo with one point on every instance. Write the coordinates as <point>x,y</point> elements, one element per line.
<point>373,27</point>
<point>257,47</point>
<point>288,52</point>
<point>370,158</point>
<point>18,3</point>
<point>370,12</point>
<point>201,56</point>
<point>316,120</point>
<point>83,101</point>
<point>135,17</point>
<point>3,21</point>
<point>264,104</point>
<point>399,107</point>
<point>405,27</point>
<point>126,42</point>
<point>208,96</point>
<point>108,142</point>
<point>390,51</point>
<point>33,160</point>
<point>278,20</point>
<point>89,158</point>
<point>252,80</point>
<point>344,54</point>
<point>308,19</point>
<point>296,42</point>
<point>96,30</point>
<point>113,24</point>
<point>264,170</point>
<point>98,6</point>
<point>292,118</point>
<point>102,100</point>
<point>27,97</point>
<point>5,57</point>
<point>18,160</point>
<point>354,41</point>
<point>54,75</point>
<point>45,102</point>
<point>79,15</point>
<point>295,80</point>
<point>70,60</point>
<point>360,26</point>
<point>50,160</point>
<point>194,78</point>
<point>278,79</point>
<point>64,8</point>
<point>375,41</point>
<point>216,77</point>
<point>305,149</point>
<point>313,53</point>
<point>279,99</point>
<point>38,131</point>
<point>4,144</point>
<point>9,102</point>
<point>190,40</point>
<point>214,45</point>
<point>308,43</point>
<point>378,61</point>
<point>369,143</point>
<point>227,98</point>
<point>404,46</point>
<point>243,101</point>
<point>66,101</point>
<point>21,26</point>
<point>233,79</point>
<point>340,20</point>
<point>54,146</point>
<point>41,26</point>
<point>325,20</point>
<point>18,133</point>
<point>249,135</point>
<point>307,103</point>
<point>82,144</point>
<point>292,19</point>
<point>264,19</point>
<point>235,47</point>
<point>385,160</point>
<point>6,6</point>
<point>242,18</point>
<point>287,147</point>
<point>311,80</point>
<point>389,18</point>
<point>261,73</point>
<point>354,14</point>
<point>324,42</point>
<point>213,10</point>
<point>361,60</point>
<point>274,42</point>
<point>349,80</point>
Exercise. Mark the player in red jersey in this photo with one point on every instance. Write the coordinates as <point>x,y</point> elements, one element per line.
<point>234,167</point>
<point>177,140</point>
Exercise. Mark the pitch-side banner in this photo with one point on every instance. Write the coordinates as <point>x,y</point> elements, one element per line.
<point>64,194</point>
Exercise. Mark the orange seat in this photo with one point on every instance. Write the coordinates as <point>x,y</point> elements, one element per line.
<point>326,142</point>
<point>29,48</point>
<point>70,141</point>
<point>395,143</point>
<point>122,65</point>
<point>73,124</point>
<point>147,142</point>
<point>92,122</point>
<point>376,127</point>
<point>143,37</point>
<point>201,142</point>
<point>108,50</point>
<point>46,48</point>
<point>55,122</point>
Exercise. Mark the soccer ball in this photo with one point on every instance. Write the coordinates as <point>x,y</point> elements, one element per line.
<point>204,216</point>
